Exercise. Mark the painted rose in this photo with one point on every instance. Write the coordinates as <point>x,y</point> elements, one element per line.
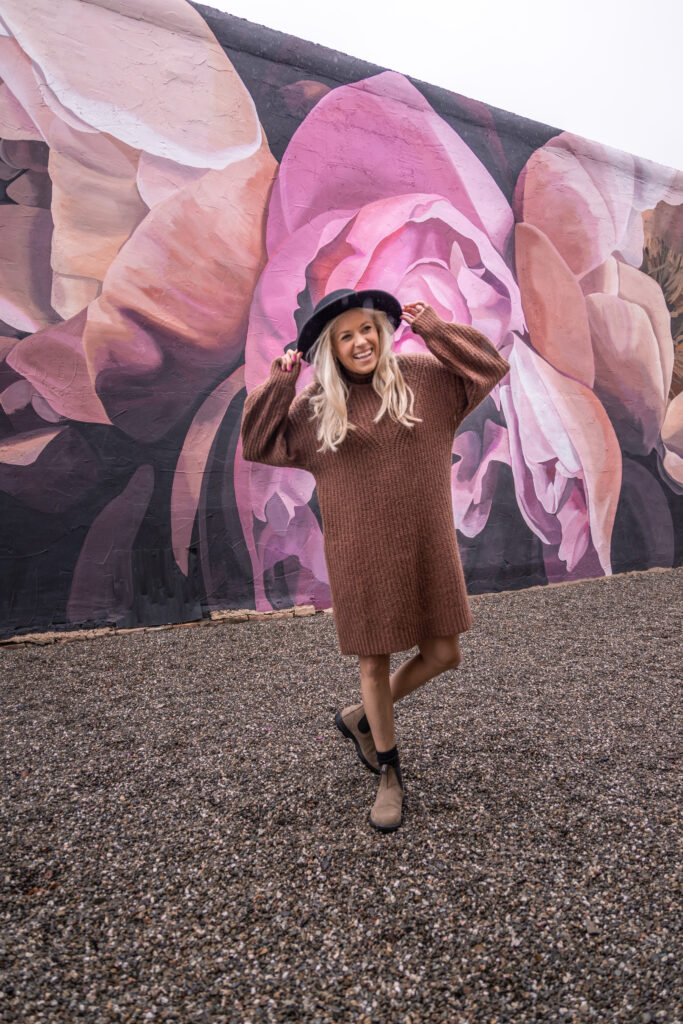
<point>374,190</point>
<point>131,247</point>
<point>596,304</point>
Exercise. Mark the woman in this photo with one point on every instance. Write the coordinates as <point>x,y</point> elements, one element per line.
<point>376,430</point>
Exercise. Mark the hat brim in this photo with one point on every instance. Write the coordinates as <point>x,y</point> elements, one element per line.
<point>371,298</point>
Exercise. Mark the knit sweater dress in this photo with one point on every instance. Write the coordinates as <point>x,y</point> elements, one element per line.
<point>385,495</point>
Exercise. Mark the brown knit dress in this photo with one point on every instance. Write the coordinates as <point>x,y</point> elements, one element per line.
<point>385,495</point>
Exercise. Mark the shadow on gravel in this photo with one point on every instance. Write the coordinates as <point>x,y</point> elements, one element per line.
<point>185,833</point>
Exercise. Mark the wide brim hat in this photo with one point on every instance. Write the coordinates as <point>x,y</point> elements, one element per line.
<point>338,302</point>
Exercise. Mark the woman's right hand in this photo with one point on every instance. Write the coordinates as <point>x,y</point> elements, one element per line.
<point>290,358</point>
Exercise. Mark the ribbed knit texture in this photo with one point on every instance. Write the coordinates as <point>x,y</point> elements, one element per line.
<point>385,494</point>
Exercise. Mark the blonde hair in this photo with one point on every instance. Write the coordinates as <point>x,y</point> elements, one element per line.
<point>329,403</point>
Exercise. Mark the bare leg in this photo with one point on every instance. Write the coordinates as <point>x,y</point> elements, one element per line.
<point>436,655</point>
<point>377,702</point>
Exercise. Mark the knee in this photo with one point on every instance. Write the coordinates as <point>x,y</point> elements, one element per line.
<point>442,653</point>
<point>374,668</point>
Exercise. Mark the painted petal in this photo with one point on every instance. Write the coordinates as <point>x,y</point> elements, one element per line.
<point>475,476</point>
<point>25,267</point>
<point>560,436</point>
<point>95,203</point>
<point>672,430</point>
<point>670,448</point>
<point>73,292</point>
<point>277,523</point>
<point>54,362</point>
<point>378,138</point>
<point>158,178</point>
<point>101,62</point>
<point>191,466</point>
<point>48,469</point>
<point>24,449</point>
<point>643,291</point>
<point>15,123</point>
<point>628,370</point>
<point>580,196</point>
<point>554,306</point>
<point>102,586</point>
<point>169,323</point>
<point>17,73</point>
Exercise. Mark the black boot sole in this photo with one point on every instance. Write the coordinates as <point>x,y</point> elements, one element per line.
<point>339,722</point>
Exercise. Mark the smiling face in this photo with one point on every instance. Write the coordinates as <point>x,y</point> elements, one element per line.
<point>354,334</point>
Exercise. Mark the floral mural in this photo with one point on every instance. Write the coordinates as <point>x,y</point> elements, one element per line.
<point>169,221</point>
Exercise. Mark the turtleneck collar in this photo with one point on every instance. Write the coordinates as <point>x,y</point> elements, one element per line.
<point>353,377</point>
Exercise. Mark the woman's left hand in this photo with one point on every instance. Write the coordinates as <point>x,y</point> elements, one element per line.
<point>412,310</point>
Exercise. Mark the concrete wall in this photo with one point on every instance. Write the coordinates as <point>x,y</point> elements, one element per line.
<point>178,192</point>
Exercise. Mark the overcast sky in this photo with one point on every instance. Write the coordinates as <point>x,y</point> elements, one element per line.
<point>604,69</point>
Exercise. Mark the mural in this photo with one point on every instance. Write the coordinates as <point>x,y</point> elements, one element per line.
<point>177,194</point>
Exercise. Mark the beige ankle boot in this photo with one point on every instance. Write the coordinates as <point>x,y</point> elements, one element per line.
<point>387,810</point>
<point>347,721</point>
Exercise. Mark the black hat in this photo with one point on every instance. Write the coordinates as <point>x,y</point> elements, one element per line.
<point>338,302</point>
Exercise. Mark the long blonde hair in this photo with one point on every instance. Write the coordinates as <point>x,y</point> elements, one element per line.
<point>329,403</point>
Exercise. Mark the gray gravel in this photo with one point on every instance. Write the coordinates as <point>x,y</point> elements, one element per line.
<point>185,833</point>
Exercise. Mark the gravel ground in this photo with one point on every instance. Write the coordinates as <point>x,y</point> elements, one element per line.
<point>185,833</point>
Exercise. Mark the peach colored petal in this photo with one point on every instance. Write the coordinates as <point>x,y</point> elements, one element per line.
<point>24,449</point>
<point>73,292</point>
<point>554,306</point>
<point>15,123</point>
<point>175,300</point>
<point>672,466</point>
<point>95,206</point>
<point>25,274</point>
<point>643,291</point>
<point>604,278</point>
<point>54,362</point>
<point>192,462</point>
<point>628,374</point>
<point>17,72</point>
<point>578,198</point>
<point>158,179</point>
<point>134,70</point>
<point>672,429</point>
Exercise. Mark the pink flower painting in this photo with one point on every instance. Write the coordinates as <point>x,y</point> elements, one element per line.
<point>155,257</point>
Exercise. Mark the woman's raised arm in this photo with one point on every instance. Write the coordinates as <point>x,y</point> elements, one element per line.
<point>463,350</point>
<point>269,433</point>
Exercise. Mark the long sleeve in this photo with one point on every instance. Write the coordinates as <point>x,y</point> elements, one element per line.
<point>270,434</point>
<point>466,353</point>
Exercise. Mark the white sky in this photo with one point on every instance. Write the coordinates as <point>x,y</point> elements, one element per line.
<point>611,70</point>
